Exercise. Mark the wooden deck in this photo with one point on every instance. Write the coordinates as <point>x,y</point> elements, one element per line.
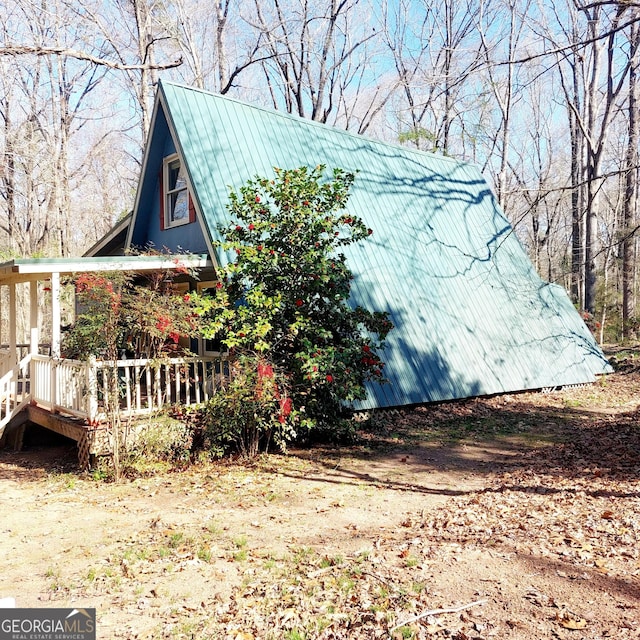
<point>68,396</point>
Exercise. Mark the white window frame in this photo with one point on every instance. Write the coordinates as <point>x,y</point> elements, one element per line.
<point>168,194</point>
<point>180,288</point>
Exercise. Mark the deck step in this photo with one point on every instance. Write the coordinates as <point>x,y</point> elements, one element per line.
<point>64,425</point>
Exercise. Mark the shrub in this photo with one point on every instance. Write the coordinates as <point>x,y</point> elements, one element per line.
<point>123,311</point>
<point>250,413</point>
<point>284,300</point>
<point>163,439</point>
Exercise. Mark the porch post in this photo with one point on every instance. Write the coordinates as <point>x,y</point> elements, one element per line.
<point>34,333</point>
<point>13,321</point>
<point>55,315</point>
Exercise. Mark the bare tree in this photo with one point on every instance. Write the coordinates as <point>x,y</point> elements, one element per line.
<point>593,78</point>
<point>539,199</point>
<point>218,44</point>
<point>49,110</point>
<point>434,47</point>
<point>130,33</point>
<point>502,78</point>
<point>483,81</point>
<point>309,48</point>
<point>34,134</point>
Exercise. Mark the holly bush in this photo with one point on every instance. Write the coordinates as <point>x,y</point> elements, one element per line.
<point>283,297</point>
<point>97,330</point>
<point>125,312</point>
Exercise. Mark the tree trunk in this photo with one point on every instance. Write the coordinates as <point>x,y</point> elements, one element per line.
<point>630,193</point>
<point>222,9</point>
<point>146,53</point>
<point>9,175</point>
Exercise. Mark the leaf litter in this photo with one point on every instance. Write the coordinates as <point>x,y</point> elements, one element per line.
<point>540,540</point>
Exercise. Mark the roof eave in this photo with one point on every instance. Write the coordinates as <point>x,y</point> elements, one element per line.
<point>111,235</point>
<point>26,269</point>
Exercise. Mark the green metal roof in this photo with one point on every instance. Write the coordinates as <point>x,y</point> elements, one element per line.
<point>472,316</point>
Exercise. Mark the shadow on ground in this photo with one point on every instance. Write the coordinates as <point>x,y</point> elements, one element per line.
<point>482,437</point>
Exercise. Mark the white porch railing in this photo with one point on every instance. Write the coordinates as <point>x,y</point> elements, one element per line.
<point>80,388</point>
<point>21,351</point>
<point>14,389</point>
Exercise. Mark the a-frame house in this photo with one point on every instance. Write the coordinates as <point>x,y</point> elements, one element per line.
<point>471,315</point>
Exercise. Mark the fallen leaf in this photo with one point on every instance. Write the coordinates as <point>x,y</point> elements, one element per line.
<point>515,624</point>
<point>574,624</point>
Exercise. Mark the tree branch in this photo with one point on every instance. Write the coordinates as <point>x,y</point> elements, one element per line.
<point>19,50</point>
<point>575,45</point>
<point>437,612</point>
<point>240,68</point>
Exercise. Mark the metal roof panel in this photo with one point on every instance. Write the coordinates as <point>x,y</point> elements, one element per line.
<point>472,316</point>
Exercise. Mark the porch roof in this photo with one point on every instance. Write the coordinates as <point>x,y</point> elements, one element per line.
<point>29,269</point>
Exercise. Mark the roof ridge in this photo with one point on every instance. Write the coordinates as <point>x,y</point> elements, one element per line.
<point>307,121</point>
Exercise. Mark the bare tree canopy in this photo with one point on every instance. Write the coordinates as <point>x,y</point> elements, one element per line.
<point>541,95</point>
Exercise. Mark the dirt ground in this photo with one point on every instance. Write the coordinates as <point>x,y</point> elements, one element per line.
<point>511,517</point>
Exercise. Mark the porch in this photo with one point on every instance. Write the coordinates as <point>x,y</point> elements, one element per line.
<point>68,396</point>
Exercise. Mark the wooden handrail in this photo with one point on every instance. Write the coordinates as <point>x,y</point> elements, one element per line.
<point>13,391</point>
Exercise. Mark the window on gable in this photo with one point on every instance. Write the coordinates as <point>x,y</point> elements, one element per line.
<point>176,200</point>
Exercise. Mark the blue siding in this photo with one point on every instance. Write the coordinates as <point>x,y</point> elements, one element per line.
<point>472,317</point>
<point>147,230</point>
